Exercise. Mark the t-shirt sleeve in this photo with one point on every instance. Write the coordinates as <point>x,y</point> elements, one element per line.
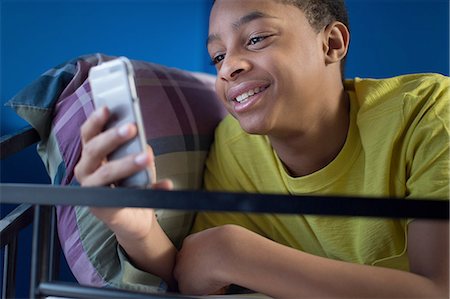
<point>429,145</point>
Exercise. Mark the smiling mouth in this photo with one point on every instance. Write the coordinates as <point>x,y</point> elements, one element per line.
<point>246,95</point>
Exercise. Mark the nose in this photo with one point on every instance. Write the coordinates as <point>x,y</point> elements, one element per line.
<point>233,65</point>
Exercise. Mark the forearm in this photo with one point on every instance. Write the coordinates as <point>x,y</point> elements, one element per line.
<point>283,272</point>
<point>153,253</point>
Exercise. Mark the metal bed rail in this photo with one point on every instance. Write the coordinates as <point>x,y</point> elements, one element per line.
<point>38,194</point>
<point>36,203</point>
<point>19,218</point>
<point>43,197</point>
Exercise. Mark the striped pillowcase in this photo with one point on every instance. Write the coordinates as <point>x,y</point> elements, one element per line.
<point>180,112</point>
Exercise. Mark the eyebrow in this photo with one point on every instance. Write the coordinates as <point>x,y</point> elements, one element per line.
<point>254,15</point>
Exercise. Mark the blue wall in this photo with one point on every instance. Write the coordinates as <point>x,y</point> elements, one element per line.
<point>393,37</point>
<point>39,34</point>
<point>389,37</point>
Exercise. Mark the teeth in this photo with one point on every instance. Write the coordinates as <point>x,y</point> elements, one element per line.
<point>248,94</point>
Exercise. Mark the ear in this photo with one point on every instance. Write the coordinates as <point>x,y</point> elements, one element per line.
<point>336,40</point>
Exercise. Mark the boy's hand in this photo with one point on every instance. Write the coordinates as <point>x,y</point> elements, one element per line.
<point>94,170</point>
<point>207,260</point>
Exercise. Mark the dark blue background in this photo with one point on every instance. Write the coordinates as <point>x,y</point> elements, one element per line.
<point>389,37</point>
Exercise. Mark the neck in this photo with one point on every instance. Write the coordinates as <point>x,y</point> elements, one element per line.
<point>307,151</point>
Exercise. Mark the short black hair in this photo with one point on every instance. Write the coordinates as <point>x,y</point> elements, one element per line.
<point>320,13</point>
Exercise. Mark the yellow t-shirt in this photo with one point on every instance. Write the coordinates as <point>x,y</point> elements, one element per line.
<point>397,146</point>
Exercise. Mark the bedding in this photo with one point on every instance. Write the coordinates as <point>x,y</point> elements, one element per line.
<point>180,112</point>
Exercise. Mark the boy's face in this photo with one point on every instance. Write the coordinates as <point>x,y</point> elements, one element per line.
<point>270,63</point>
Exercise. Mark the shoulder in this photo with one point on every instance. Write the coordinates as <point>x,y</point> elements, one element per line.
<point>405,121</point>
<point>371,92</point>
<point>228,129</point>
<point>236,158</point>
<point>398,83</point>
<point>235,148</point>
<point>230,134</point>
<point>406,96</point>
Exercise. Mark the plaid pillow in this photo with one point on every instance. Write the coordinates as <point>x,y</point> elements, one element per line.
<point>180,112</point>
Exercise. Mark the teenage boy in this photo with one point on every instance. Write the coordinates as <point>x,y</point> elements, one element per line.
<point>296,128</point>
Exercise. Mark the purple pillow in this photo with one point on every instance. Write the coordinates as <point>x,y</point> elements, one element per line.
<point>180,112</point>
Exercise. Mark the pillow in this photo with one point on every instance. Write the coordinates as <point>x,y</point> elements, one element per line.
<point>180,112</point>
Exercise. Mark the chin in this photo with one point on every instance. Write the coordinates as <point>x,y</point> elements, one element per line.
<point>254,127</point>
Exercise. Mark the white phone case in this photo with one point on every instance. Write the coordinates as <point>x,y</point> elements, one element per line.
<point>112,85</point>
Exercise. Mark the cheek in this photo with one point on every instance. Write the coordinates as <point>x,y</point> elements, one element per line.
<point>302,55</point>
<point>220,90</point>
<point>300,70</point>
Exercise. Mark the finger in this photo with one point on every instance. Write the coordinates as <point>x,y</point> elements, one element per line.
<point>96,150</point>
<point>94,124</point>
<point>152,165</point>
<point>117,170</point>
<point>165,184</point>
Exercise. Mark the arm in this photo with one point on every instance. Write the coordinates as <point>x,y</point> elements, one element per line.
<point>136,229</point>
<point>249,260</point>
<point>233,255</point>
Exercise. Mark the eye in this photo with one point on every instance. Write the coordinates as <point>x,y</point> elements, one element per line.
<point>217,59</point>
<point>255,40</point>
<point>260,41</point>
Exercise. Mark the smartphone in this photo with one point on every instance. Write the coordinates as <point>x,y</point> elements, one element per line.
<point>112,85</point>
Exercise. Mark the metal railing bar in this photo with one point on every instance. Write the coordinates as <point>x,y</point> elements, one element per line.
<point>40,248</point>
<point>14,143</point>
<point>60,289</point>
<point>9,269</point>
<point>54,247</point>
<point>222,201</point>
<point>16,220</point>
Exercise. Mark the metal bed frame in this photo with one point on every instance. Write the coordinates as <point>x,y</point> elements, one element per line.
<point>35,206</point>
